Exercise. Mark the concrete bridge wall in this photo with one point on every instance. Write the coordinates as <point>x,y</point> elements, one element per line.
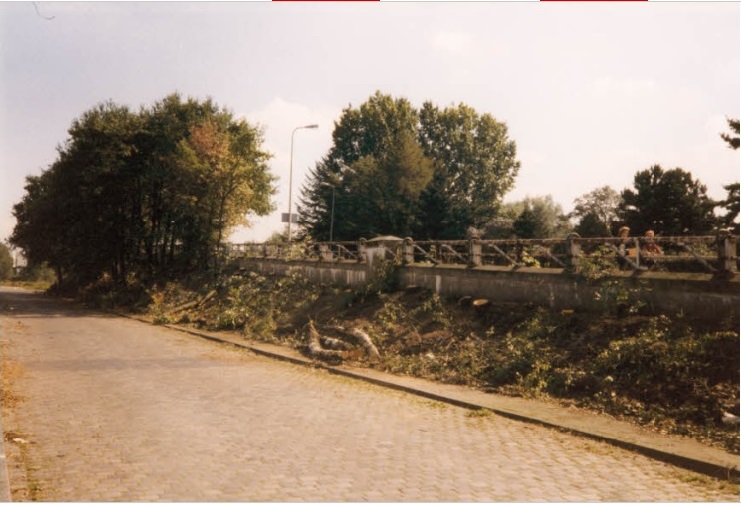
<point>699,295</point>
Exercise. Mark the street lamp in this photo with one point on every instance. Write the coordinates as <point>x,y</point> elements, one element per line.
<point>290,178</point>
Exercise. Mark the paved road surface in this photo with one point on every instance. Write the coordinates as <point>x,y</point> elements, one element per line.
<point>117,410</point>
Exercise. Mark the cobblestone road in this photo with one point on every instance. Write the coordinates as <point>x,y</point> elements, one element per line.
<point>117,410</point>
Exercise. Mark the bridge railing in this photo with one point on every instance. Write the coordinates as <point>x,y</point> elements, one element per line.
<point>717,254</point>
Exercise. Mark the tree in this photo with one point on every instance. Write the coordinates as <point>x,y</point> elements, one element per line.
<point>595,212</point>
<point>227,174</point>
<point>6,263</point>
<point>590,225</point>
<point>733,141</point>
<point>669,202</point>
<point>144,192</point>
<point>731,202</point>
<point>370,132</point>
<point>470,160</point>
<point>731,205</point>
<point>536,217</point>
<point>39,228</point>
<point>476,166</point>
<point>386,190</point>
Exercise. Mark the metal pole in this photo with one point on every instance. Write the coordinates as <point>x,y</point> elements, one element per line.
<point>290,178</point>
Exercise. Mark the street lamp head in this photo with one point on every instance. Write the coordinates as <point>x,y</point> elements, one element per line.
<point>311,126</point>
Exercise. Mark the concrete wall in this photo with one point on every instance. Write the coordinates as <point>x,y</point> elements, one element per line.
<point>346,273</point>
<point>671,293</point>
<point>696,294</point>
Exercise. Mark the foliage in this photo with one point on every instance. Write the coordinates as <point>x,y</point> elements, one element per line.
<point>383,279</point>
<point>107,294</point>
<point>257,305</point>
<point>732,140</point>
<point>6,263</point>
<point>368,132</point>
<point>669,202</point>
<point>595,212</point>
<point>590,225</point>
<point>395,170</point>
<point>37,277</point>
<point>614,296</point>
<point>148,192</point>
<point>731,205</point>
<point>476,167</point>
<point>537,217</point>
<point>389,186</point>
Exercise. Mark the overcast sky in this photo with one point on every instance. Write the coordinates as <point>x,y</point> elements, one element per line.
<point>591,93</point>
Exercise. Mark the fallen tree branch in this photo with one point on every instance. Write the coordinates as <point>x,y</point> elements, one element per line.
<point>334,344</point>
<point>192,304</point>
<point>365,341</point>
<point>360,337</point>
<point>315,346</point>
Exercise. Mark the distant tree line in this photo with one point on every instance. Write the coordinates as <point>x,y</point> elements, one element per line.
<point>435,173</point>
<point>144,193</point>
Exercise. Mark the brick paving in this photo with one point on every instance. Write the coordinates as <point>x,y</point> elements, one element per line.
<point>118,410</point>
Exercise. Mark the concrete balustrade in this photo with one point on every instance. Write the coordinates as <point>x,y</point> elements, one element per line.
<point>696,294</point>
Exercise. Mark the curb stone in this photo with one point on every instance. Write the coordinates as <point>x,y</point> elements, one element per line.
<point>681,452</point>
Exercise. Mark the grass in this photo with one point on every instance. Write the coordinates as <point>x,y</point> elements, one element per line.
<point>9,372</point>
<point>38,286</point>
<point>479,413</point>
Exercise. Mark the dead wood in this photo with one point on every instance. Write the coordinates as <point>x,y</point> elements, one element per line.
<point>193,303</point>
<point>315,346</point>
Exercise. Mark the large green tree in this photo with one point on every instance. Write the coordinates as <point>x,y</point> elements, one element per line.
<point>224,173</point>
<point>670,202</point>
<point>386,190</point>
<point>367,144</point>
<point>476,166</point>
<point>145,192</point>
<point>73,216</point>
<point>448,170</point>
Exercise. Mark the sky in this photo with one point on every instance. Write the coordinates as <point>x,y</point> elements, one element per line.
<point>591,93</point>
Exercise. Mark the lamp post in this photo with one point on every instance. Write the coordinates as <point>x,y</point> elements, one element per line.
<point>290,178</point>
